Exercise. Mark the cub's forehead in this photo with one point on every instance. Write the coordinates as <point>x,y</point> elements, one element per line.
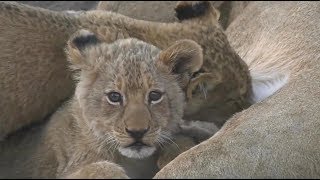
<point>131,61</point>
<point>133,49</point>
<point>124,51</point>
<point>132,55</point>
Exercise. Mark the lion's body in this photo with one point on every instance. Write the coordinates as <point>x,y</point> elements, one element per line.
<point>225,76</point>
<point>34,78</point>
<point>51,149</point>
<point>278,137</point>
<point>33,149</point>
<point>90,131</point>
<point>42,35</point>
<point>160,11</point>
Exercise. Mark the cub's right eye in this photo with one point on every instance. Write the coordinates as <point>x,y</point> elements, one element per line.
<point>114,98</point>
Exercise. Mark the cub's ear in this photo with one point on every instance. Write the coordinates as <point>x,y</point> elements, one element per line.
<point>76,47</point>
<point>186,10</point>
<point>183,59</point>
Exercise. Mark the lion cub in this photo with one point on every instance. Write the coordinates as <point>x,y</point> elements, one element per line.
<point>126,109</point>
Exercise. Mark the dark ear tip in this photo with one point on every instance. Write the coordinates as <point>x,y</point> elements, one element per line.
<point>84,39</point>
<point>188,10</point>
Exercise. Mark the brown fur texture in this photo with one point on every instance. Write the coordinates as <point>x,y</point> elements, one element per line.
<point>34,77</point>
<point>160,11</point>
<point>83,137</point>
<point>225,74</point>
<point>221,88</point>
<point>278,137</point>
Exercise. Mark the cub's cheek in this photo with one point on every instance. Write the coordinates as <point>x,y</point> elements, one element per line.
<point>161,117</point>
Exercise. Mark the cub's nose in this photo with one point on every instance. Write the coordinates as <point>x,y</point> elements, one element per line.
<point>137,134</point>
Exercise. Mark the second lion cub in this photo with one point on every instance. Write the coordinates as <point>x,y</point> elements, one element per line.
<point>128,102</point>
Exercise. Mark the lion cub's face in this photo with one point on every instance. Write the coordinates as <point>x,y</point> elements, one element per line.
<point>129,92</point>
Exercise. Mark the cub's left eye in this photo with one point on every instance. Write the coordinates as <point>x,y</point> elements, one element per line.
<point>155,97</point>
<point>114,98</point>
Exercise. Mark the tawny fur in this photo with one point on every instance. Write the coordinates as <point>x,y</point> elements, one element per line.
<point>33,68</point>
<point>224,79</point>
<point>82,139</point>
<point>160,11</point>
<point>282,131</point>
<point>279,136</point>
<point>224,86</point>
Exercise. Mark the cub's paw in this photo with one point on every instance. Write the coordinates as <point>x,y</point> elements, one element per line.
<point>198,130</point>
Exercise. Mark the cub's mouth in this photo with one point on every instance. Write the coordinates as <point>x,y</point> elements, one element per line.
<point>138,145</point>
<point>137,150</point>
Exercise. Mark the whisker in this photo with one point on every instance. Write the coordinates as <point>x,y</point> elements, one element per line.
<point>117,144</point>
<point>159,141</point>
<point>165,138</point>
<point>109,144</point>
<point>152,133</point>
<point>168,138</point>
<point>160,145</point>
<point>110,149</point>
<point>203,89</point>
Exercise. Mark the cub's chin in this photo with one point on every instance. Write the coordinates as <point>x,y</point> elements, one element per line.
<point>137,150</point>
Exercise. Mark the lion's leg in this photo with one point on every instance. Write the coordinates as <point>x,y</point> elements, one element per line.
<point>98,170</point>
<point>113,26</point>
<point>198,130</point>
